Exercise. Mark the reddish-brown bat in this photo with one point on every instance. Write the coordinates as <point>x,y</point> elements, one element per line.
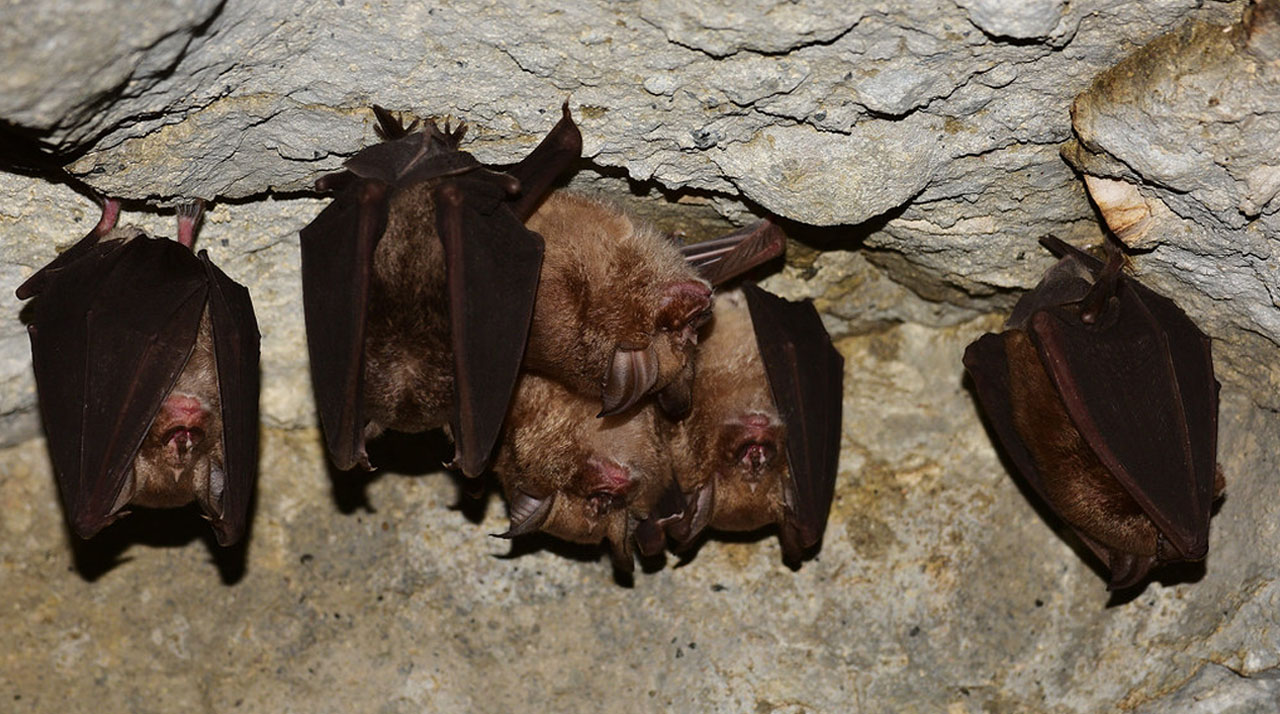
<point>576,476</point>
<point>618,306</point>
<point>565,470</point>
<point>761,443</point>
<point>146,365</point>
<point>1102,393</point>
<point>418,288</point>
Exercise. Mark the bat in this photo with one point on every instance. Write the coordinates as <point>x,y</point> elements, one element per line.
<point>565,469</point>
<point>576,476</point>
<point>418,288</point>
<point>761,443</point>
<point>618,307</point>
<point>1102,392</point>
<point>146,366</point>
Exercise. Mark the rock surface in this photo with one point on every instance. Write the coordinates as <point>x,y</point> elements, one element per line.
<point>915,153</point>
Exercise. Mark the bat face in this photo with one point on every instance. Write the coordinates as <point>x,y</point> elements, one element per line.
<point>575,476</point>
<point>146,364</point>
<point>730,451</point>
<point>181,458</point>
<point>761,442</point>
<point>618,308</point>
<point>1103,394</point>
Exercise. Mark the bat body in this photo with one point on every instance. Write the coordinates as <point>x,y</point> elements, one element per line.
<point>578,477</point>
<point>761,442</point>
<point>146,365</point>
<point>607,280</point>
<point>1102,392</point>
<point>418,288</point>
<point>618,306</point>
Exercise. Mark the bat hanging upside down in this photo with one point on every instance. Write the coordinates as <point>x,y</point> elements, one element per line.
<point>146,365</point>
<point>1103,394</point>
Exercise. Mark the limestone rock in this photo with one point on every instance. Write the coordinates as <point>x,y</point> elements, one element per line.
<point>1177,146</point>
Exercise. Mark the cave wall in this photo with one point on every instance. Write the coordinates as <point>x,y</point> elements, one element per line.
<point>915,155</point>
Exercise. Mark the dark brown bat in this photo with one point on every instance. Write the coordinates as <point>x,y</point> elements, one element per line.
<point>762,442</point>
<point>576,476</point>
<point>146,366</point>
<point>418,288</point>
<point>618,306</point>
<point>1102,393</point>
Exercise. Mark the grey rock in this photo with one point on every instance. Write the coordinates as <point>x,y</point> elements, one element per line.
<point>1177,145</point>
<point>62,63</point>
<point>1017,20</point>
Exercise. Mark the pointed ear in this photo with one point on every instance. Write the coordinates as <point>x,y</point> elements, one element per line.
<point>527,513</point>
<point>683,301</point>
<point>792,541</point>
<point>650,539</point>
<point>632,373</point>
<point>697,514</point>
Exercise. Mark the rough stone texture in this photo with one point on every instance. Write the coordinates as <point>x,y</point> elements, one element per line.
<point>1178,145</point>
<point>916,153</point>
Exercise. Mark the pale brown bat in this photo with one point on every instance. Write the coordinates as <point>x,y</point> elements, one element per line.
<point>578,477</point>
<point>760,444</point>
<point>618,306</point>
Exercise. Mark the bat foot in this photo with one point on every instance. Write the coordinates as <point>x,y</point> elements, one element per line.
<point>189,215</point>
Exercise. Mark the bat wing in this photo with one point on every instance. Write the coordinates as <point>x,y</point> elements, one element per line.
<point>556,152</point>
<point>109,339</point>
<point>337,266</point>
<point>721,259</point>
<point>1135,383</point>
<point>806,377</point>
<point>988,365</point>
<point>86,246</point>
<point>492,263</point>
<point>235,344</point>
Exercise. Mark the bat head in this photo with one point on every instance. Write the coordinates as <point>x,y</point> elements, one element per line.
<point>665,364</point>
<point>575,476</point>
<point>618,308</point>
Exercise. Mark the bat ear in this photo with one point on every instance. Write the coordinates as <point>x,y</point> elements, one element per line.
<point>650,533</point>
<point>697,514</point>
<point>528,514</point>
<point>682,302</point>
<point>1127,569</point>
<point>632,373</point>
<point>792,540</point>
